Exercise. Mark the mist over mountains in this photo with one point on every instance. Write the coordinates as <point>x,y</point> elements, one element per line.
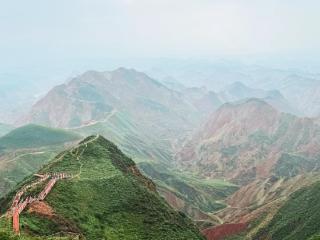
<point>18,96</point>
<point>160,120</point>
<point>222,153</point>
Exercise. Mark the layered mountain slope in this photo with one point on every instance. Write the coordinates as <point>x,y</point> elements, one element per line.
<point>24,150</point>
<point>239,91</point>
<point>204,100</point>
<point>133,139</point>
<point>127,106</point>
<point>298,218</point>
<point>145,118</point>
<point>301,89</point>
<point>92,95</point>
<point>248,140</point>
<point>197,197</point>
<point>106,198</point>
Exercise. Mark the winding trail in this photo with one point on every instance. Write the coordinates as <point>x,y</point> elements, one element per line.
<point>79,155</point>
<point>19,205</point>
<point>93,122</point>
<point>23,155</point>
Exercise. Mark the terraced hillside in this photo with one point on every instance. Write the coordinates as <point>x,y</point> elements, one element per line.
<point>107,198</point>
<point>24,150</point>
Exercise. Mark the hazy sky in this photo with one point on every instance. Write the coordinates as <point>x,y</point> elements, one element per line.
<point>35,31</point>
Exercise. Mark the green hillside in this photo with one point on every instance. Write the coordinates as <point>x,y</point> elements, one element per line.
<point>26,149</point>
<point>133,138</point>
<point>15,166</point>
<point>4,129</point>
<point>297,219</point>
<point>107,198</point>
<point>32,136</point>
<point>201,193</point>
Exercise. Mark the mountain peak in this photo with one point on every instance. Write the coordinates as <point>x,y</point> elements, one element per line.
<point>250,103</point>
<point>125,70</point>
<point>237,85</point>
<point>104,197</point>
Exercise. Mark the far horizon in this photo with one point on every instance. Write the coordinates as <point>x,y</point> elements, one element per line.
<point>47,42</point>
<point>160,120</point>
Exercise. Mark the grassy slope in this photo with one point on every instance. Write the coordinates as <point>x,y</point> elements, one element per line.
<point>4,129</point>
<point>14,167</point>
<point>105,200</point>
<point>131,137</point>
<point>32,136</point>
<point>201,193</point>
<point>40,144</point>
<point>298,219</point>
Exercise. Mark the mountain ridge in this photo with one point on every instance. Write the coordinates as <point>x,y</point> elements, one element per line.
<point>238,133</point>
<point>115,200</point>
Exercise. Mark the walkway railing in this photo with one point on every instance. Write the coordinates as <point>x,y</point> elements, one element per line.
<point>18,206</point>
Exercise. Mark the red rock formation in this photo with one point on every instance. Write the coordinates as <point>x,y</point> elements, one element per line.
<point>224,230</point>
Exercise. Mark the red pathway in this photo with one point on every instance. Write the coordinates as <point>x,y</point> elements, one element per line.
<point>18,206</point>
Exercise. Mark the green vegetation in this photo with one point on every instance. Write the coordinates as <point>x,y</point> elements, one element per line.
<point>33,136</point>
<point>204,194</point>
<point>131,137</point>
<point>4,129</point>
<point>7,234</point>
<point>26,149</point>
<point>107,198</point>
<point>290,165</point>
<point>4,235</point>
<point>298,219</point>
<point>315,237</point>
<point>16,166</point>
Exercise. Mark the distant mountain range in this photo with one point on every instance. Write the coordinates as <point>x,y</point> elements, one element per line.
<point>93,95</point>
<point>221,157</point>
<point>301,89</point>
<point>251,139</point>
<point>270,155</point>
<point>238,91</point>
<point>143,116</point>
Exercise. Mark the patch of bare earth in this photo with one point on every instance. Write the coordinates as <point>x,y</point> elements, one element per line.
<point>225,230</point>
<point>41,208</point>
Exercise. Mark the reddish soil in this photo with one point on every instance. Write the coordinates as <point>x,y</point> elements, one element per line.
<point>41,208</point>
<point>173,200</point>
<point>225,230</point>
